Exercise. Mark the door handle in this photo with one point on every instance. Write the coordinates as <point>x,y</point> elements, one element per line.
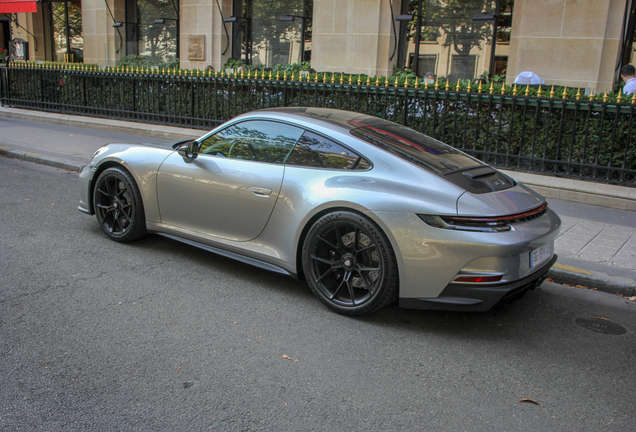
<point>260,191</point>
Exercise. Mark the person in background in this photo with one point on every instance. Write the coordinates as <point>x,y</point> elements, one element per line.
<point>628,73</point>
<point>429,77</point>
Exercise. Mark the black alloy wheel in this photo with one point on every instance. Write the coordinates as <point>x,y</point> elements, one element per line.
<point>349,264</point>
<point>118,205</point>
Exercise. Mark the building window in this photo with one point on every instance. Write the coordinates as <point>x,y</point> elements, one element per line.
<point>462,67</point>
<point>152,29</point>
<point>427,63</point>
<point>67,39</point>
<point>265,39</point>
<point>463,32</point>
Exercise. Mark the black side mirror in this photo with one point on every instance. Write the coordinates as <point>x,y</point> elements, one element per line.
<point>189,151</point>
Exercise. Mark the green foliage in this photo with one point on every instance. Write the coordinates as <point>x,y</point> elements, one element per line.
<point>145,61</point>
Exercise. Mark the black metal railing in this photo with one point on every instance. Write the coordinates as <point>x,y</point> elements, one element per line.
<point>584,139</point>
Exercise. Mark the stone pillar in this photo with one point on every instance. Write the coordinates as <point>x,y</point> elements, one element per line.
<point>102,43</point>
<point>575,43</point>
<point>354,36</point>
<point>202,18</point>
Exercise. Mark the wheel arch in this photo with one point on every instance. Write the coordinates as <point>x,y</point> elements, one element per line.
<point>366,214</point>
<point>98,171</point>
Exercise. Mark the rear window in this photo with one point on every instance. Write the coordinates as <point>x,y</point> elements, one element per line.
<point>413,146</point>
<point>316,151</point>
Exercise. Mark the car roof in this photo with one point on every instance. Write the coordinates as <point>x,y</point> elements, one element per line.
<point>345,119</point>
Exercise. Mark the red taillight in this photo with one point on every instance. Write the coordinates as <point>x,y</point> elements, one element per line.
<point>479,279</point>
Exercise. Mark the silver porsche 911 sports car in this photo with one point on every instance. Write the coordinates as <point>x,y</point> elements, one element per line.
<point>366,210</point>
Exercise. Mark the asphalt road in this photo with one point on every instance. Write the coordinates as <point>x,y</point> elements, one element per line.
<point>160,336</point>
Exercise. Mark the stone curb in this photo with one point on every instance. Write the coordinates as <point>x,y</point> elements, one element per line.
<point>598,281</point>
<point>51,161</point>
<point>133,128</point>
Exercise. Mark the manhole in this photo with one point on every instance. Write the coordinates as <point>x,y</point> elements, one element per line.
<point>601,325</point>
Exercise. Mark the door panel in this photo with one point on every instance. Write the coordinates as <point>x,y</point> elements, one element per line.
<point>224,197</point>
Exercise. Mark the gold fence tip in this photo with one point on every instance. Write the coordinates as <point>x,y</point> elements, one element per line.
<point>417,82</point>
<point>406,82</point>
<point>565,92</point>
<point>396,82</point>
<point>368,80</point>
<point>539,92</point>
<point>457,86</point>
<point>605,97</point>
<point>528,90</point>
<point>514,90</point>
<point>377,81</point>
<point>503,88</point>
<point>333,78</point>
<point>578,94</point>
<point>447,85</point>
<point>592,94</point>
<point>359,79</point>
<point>620,96</point>
<point>468,88</point>
<point>425,84</point>
<point>552,92</point>
<point>437,84</point>
<point>634,98</point>
<point>386,81</point>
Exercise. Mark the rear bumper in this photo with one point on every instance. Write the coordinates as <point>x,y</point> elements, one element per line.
<point>478,298</point>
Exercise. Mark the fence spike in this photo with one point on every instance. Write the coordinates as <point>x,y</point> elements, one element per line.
<point>565,92</point>
<point>396,82</point>
<point>605,97</point>
<point>514,90</point>
<point>368,80</point>
<point>457,86</point>
<point>437,84</point>
<point>539,93</point>
<point>620,95</point>
<point>634,98</point>
<point>479,88</point>
<point>350,79</point>
<point>528,90</point>
<point>417,82</point>
<point>377,82</point>
<point>469,87</point>
<point>592,94</point>
<point>447,85</point>
<point>406,82</point>
<point>333,78</point>
<point>552,92</point>
<point>284,75</point>
<point>578,94</point>
<point>359,79</point>
<point>503,88</point>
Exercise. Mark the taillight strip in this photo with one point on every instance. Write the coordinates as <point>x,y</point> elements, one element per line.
<point>526,214</point>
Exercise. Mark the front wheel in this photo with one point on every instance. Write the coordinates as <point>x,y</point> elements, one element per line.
<point>118,205</point>
<point>349,264</point>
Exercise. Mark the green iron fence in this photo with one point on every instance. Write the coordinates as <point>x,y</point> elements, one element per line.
<point>572,137</point>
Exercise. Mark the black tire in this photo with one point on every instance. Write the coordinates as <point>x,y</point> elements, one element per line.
<point>118,205</point>
<point>349,264</point>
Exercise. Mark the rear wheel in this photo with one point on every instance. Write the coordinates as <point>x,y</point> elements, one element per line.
<point>349,264</point>
<point>118,205</point>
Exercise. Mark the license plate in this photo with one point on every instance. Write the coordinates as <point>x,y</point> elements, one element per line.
<point>540,254</point>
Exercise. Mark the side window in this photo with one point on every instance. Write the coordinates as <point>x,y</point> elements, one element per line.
<point>257,140</point>
<point>319,152</point>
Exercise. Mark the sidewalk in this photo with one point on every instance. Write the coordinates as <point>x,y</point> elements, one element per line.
<point>596,246</point>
